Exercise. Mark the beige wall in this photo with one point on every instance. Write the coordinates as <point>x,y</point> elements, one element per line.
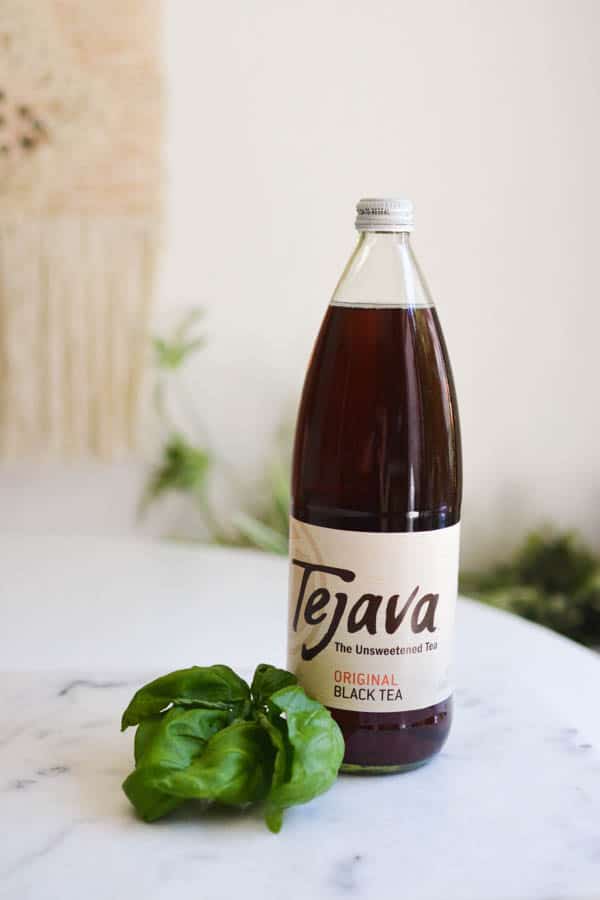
<point>485,113</point>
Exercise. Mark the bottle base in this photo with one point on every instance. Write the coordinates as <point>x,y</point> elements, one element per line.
<point>385,743</point>
<point>354,769</point>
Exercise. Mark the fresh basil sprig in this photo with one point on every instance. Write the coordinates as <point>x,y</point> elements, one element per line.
<point>203,734</point>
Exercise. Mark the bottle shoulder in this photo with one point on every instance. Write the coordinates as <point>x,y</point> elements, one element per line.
<point>383,271</point>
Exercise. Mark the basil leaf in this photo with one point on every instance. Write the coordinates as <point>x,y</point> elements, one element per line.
<point>268,679</point>
<point>162,744</point>
<point>149,802</point>
<point>145,734</point>
<point>307,763</point>
<point>235,768</point>
<point>209,687</point>
<point>175,738</point>
<point>277,731</point>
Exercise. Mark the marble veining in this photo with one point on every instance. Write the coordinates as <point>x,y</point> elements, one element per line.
<point>52,843</point>
<point>89,683</point>
<point>511,809</point>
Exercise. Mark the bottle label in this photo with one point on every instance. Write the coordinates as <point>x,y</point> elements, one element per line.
<point>371,616</point>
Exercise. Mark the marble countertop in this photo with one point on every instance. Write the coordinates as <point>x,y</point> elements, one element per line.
<point>509,810</point>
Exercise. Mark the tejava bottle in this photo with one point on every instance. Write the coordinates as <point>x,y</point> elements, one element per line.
<point>376,496</point>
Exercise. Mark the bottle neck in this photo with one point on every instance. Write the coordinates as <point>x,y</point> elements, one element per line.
<point>382,271</point>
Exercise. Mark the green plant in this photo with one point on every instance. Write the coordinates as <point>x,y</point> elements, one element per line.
<point>553,580</point>
<point>204,734</point>
<point>186,467</point>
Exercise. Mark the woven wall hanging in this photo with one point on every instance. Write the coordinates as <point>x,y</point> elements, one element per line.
<point>80,175</point>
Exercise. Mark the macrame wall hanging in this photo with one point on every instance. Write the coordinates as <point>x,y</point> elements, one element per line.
<point>80,124</point>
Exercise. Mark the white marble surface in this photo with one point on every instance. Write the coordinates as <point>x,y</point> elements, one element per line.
<point>509,810</point>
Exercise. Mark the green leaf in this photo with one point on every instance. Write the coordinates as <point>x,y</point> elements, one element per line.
<point>235,768</point>
<point>267,680</point>
<point>184,468</point>
<point>555,563</point>
<point>276,729</point>
<point>149,802</point>
<point>175,738</point>
<point>549,581</point>
<point>209,687</point>
<point>145,733</point>
<point>172,353</point>
<point>316,747</point>
<point>162,744</point>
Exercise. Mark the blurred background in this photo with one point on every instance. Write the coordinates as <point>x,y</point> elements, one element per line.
<point>207,157</point>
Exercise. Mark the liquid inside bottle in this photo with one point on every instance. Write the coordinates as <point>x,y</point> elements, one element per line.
<point>376,495</point>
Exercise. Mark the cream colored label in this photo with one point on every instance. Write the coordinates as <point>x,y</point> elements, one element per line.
<point>371,616</point>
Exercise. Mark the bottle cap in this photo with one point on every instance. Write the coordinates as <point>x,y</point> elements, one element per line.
<point>384,214</point>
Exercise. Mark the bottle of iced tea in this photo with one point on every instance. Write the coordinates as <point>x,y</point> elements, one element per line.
<point>376,495</point>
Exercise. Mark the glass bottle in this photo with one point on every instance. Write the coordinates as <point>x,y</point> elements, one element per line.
<point>376,496</point>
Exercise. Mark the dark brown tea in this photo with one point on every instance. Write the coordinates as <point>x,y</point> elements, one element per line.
<point>378,449</point>
<point>376,495</point>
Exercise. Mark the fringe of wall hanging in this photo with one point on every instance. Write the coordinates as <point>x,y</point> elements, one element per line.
<point>80,202</point>
<point>74,300</point>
